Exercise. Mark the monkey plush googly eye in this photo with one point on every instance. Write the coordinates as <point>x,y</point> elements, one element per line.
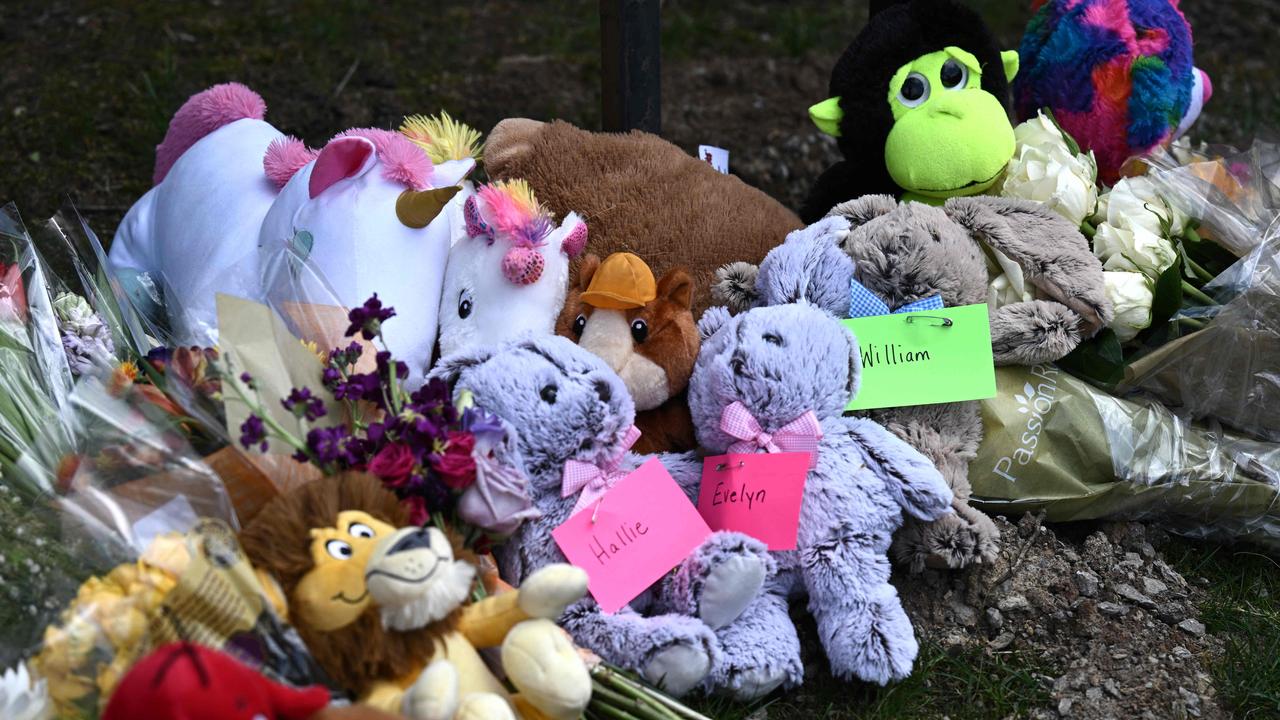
<point>954,75</point>
<point>914,91</point>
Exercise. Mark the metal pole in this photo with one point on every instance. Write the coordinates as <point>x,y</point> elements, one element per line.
<point>630,64</point>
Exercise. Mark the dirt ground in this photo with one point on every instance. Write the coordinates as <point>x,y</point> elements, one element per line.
<point>1078,622</point>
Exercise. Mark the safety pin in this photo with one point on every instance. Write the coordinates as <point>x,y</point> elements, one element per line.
<point>596,513</point>
<point>941,321</point>
<point>722,466</point>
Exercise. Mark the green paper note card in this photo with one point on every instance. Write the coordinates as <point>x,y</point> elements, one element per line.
<point>919,359</point>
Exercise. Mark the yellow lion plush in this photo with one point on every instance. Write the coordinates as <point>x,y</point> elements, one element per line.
<point>383,607</point>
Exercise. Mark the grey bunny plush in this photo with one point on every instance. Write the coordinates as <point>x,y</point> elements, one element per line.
<point>910,251</point>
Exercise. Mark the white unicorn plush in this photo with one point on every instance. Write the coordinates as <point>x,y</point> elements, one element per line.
<point>230,190</point>
<point>509,275</point>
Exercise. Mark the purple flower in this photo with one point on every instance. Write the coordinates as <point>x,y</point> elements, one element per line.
<point>253,432</point>
<point>361,386</point>
<point>478,421</point>
<point>337,445</point>
<point>303,404</point>
<point>432,394</point>
<point>346,356</point>
<point>367,319</point>
<point>385,363</point>
<point>85,352</point>
<point>331,378</point>
<point>247,379</point>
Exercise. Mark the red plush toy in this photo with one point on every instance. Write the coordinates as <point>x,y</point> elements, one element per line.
<point>183,681</point>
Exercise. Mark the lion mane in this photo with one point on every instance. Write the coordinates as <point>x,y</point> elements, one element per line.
<point>278,541</point>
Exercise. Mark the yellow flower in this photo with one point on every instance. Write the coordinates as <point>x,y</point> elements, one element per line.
<point>125,627</point>
<point>66,689</point>
<point>315,350</point>
<point>169,553</point>
<point>109,675</point>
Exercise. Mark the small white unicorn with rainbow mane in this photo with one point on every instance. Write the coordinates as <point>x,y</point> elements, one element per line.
<point>509,275</point>
<point>231,190</point>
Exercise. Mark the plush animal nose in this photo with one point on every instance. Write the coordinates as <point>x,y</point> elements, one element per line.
<point>949,110</point>
<point>416,540</point>
<point>523,265</point>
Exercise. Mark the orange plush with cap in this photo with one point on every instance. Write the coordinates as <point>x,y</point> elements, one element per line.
<point>644,329</point>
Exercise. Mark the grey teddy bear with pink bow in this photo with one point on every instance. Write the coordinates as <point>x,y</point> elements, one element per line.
<point>906,252</point>
<point>775,372</point>
<point>697,626</point>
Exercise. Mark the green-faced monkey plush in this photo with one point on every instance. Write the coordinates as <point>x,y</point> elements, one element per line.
<point>919,105</point>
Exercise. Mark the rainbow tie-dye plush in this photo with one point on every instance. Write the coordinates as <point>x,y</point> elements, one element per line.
<point>1117,75</point>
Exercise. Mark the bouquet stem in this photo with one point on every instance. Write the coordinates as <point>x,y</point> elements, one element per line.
<point>1200,272</point>
<point>1194,292</point>
<point>615,692</point>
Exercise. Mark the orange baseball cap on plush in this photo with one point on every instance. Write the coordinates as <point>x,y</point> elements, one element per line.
<point>622,281</point>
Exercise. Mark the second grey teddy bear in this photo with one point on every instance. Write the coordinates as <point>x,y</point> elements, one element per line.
<point>910,251</point>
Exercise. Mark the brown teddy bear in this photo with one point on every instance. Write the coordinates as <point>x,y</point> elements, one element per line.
<point>383,606</point>
<point>644,330</point>
<point>641,194</point>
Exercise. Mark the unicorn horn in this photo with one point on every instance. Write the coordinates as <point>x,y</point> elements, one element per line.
<point>417,208</point>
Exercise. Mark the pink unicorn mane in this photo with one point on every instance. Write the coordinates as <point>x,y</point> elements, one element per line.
<point>402,161</point>
<point>515,213</point>
<point>201,114</point>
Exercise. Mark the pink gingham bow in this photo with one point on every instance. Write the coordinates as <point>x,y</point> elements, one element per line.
<point>799,435</point>
<point>591,482</point>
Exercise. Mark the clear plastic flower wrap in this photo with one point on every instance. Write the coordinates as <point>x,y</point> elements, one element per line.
<point>134,547</point>
<point>1235,194</point>
<point>1056,443</point>
<point>1228,371</point>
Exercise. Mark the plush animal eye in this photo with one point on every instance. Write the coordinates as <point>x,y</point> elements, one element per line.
<point>548,394</point>
<point>914,90</point>
<point>639,330</point>
<point>360,530</point>
<point>579,324</point>
<point>954,75</point>
<point>772,339</point>
<point>339,549</point>
<point>464,305</point>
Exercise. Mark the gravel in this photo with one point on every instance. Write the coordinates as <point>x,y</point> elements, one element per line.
<point>1116,625</point>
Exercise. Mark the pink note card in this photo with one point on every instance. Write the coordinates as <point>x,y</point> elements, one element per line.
<point>642,527</point>
<point>759,495</point>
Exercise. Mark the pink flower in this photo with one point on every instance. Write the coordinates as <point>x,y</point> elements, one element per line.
<point>13,299</point>
<point>456,466</point>
<point>393,463</point>
<point>419,513</point>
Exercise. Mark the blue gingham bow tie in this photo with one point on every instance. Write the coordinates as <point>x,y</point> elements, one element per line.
<point>863,303</point>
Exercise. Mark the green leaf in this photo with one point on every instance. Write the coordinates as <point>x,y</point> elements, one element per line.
<point>1099,359</point>
<point>1072,145</point>
<point>1168,294</point>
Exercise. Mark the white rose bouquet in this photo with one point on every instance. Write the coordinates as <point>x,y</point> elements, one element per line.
<point>1049,168</point>
<point>1153,259</point>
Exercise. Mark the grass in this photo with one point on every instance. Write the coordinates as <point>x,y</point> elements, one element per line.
<point>1243,608</point>
<point>972,685</point>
